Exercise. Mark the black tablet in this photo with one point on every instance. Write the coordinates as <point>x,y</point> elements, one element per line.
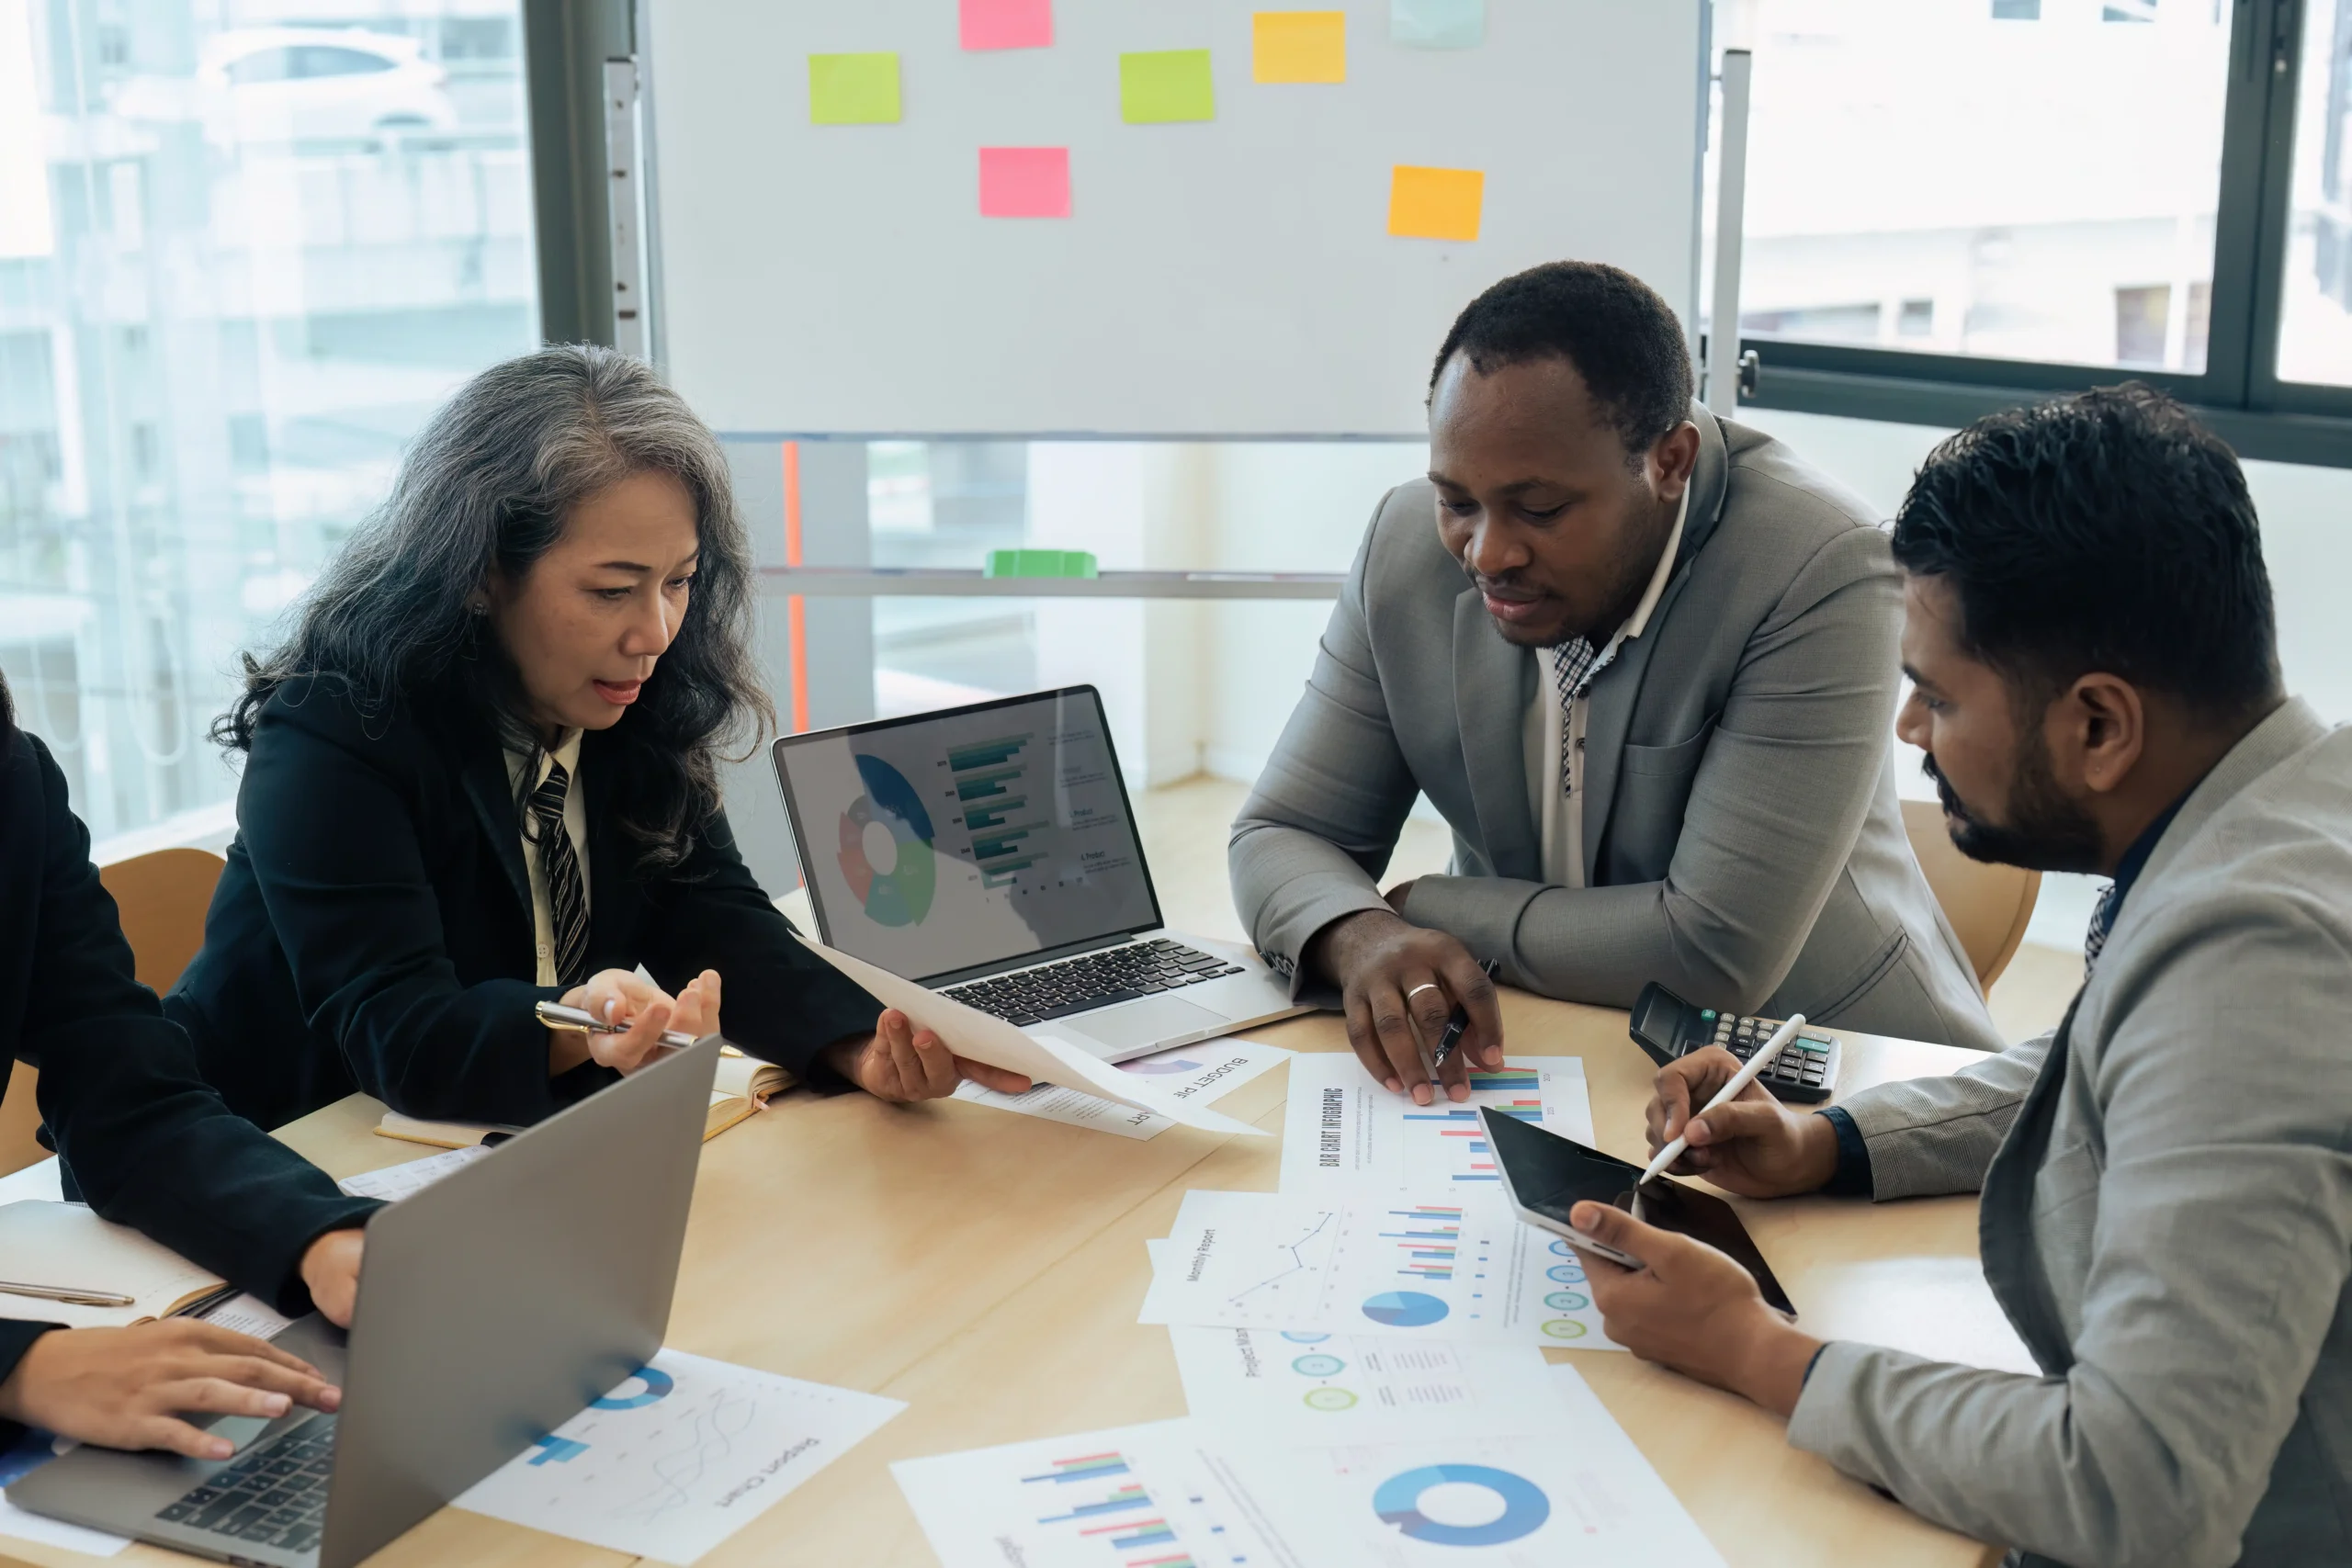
<point>1545,1176</point>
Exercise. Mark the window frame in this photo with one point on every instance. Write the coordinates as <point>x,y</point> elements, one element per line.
<point>2239,392</point>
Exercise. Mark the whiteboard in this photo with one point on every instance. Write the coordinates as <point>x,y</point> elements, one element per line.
<point>1233,277</point>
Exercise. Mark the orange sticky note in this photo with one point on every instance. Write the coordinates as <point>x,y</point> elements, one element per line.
<point>1435,204</point>
<point>1024,182</point>
<point>1300,46</point>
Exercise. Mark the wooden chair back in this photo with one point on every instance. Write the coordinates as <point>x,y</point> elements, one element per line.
<point>1989,905</point>
<point>161,897</point>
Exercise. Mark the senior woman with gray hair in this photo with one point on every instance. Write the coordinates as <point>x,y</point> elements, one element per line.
<point>482,774</point>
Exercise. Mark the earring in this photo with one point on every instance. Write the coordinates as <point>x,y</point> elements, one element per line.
<point>479,606</point>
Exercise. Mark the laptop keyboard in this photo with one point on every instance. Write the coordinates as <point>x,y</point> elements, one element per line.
<point>1092,980</point>
<point>274,1495</point>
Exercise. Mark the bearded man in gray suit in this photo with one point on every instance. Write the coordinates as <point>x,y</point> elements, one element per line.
<point>2166,1178</point>
<point>1642,661</point>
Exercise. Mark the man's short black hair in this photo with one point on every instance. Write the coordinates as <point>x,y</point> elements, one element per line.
<point>1622,338</point>
<point>2108,531</point>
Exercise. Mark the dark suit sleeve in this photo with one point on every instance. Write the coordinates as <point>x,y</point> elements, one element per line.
<point>16,1336</point>
<point>778,1000</point>
<point>149,1142</point>
<point>332,837</point>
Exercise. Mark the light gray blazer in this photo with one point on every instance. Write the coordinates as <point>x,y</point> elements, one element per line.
<point>2166,1215</point>
<point>1742,840</point>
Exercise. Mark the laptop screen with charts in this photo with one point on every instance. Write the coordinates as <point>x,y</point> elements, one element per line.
<point>954,843</point>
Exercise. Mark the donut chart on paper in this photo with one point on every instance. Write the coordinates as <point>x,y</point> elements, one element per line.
<point>1524,1507</point>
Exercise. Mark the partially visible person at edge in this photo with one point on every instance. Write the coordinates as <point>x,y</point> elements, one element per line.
<point>149,1145</point>
<point>1642,662</point>
<point>2166,1178</point>
<point>483,772</point>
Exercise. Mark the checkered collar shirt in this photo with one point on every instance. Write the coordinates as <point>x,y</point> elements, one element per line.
<point>1554,731</point>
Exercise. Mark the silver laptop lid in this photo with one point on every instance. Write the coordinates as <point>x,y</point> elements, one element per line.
<point>497,1303</point>
<point>954,843</point>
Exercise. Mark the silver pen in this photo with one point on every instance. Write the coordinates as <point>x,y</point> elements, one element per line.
<point>555,1015</point>
<point>72,1295</point>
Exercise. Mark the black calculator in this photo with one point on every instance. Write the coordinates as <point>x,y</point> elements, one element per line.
<point>1665,1026</point>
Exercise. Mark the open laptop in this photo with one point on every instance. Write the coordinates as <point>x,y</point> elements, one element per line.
<point>988,852</point>
<point>494,1305</point>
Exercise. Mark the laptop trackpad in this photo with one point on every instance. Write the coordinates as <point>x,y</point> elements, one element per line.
<point>1131,1024</point>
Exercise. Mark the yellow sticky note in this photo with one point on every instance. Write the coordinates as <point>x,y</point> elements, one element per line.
<point>1435,204</point>
<point>1300,46</point>
<point>853,89</point>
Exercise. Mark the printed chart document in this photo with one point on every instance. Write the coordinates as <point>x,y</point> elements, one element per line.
<point>1577,1491</point>
<point>1198,1072</point>
<point>394,1182</point>
<point>679,1457</point>
<point>1310,1387</point>
<point>1345,1132</point>
<point>1170,1493</point>
<point>1389,1265</point>
<point>986,1038</point>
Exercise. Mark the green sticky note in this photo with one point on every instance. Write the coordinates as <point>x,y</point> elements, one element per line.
<point>853,89</point>
<point>1166,85</point>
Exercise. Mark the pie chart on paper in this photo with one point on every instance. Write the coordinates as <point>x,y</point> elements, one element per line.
<point>1405,1309</point>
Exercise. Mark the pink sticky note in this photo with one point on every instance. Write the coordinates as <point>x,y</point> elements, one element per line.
<point>1007,24</point>
<point>1024,182</point>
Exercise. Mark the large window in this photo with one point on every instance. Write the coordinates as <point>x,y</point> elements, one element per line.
<point>245,247</point>
<point>2316,326</point>
<point>1954,203</point>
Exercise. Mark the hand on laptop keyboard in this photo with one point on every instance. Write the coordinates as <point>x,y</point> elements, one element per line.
<point>1092,980</point>
<point>276,1496</point>
<point>127,1388</point>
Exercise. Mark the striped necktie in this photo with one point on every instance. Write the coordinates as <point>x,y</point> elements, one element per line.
<point>560,864</point>
<point>2102,921</point>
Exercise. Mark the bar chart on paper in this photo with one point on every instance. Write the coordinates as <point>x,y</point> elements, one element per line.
<point>1471,1271</point>
<point>1345,1132</point>
<point>1153,1496</point>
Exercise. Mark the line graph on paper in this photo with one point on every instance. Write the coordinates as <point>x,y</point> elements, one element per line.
<point>1296,1259</point>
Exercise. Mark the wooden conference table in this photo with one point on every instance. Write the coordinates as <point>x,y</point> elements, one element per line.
<point>986,1269</point>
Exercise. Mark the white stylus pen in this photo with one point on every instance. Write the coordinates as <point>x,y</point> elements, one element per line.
<point>1729,1092</point>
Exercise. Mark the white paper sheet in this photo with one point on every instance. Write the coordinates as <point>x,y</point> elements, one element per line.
<point>249,1315</point>
<point>394,1182</point>
<point>1452,1269</point>
<point>1309,1387</point>
<point>986,1038</point>
<point>1171,1492</point>
<point>1344,1132</point>
<point>24,1526</point>
<point>1201,1072</point>
<point>1071,1107</point>
<point>1582,1494</point>
<point>679,1457</point>
<point>31,1452</point>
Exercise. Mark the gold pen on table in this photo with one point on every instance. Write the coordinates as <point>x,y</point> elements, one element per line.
<point>72,1295</point>
<point>555,1015</point>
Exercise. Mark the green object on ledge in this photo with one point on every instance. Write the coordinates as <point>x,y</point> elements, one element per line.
<point>1040,563</point>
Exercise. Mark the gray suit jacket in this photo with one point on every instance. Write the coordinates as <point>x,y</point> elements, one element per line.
<point>2167,1215</point>
<point>1742,840</point>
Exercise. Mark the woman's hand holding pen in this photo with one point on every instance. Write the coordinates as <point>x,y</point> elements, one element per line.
<point>623,996</point>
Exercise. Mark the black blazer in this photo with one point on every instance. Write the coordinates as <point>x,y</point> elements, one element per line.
<point>148,1145</point>
<point>373,929</point>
